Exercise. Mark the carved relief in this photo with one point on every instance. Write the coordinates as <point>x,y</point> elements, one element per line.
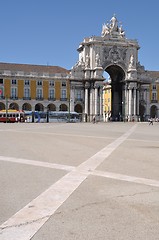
<point>115,54</point>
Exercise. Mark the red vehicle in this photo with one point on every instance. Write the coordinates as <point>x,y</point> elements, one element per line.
<point>11,116</point>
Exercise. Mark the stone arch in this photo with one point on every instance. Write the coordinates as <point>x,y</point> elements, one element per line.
<point>78,108</point>
<point>117,77</point>
<point>14,106</point>
<point>63,107</point>
<point>2,106</point>
<point>26,107</point>
<point>39,107</point>
<point>51,107</point>
<point>153,111</point>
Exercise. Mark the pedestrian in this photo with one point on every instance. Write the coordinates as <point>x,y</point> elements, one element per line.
<point>94,119</point>
<point>150,121</point>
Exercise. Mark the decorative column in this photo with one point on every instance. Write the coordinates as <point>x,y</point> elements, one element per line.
<point>101,101</point>
<point>86,104</point>
<point>91,104</point>
<point>130,101</point>
<point>96,101</point>
<point>126,102</point>
<point>138,100</point>
<point>134,101</point>
<point>72,99</point>
<point>86,101</point>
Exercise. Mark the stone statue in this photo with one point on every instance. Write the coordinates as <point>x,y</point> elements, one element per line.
<point>131,61</point>
<point>121,31</point>
<point>113,24</point>
<point>97,60</point>
<point>105,29</point>
<point>87,64</point>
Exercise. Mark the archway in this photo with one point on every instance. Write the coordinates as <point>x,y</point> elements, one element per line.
<point>51,107</point>
<point>14,106</point>
<point>39,107</point>
<point>153,111</point>
<point>63,107</point>
<point>117,77</point>
<point>78,108</point>
<point>26,107</point>
<point>2,106</point>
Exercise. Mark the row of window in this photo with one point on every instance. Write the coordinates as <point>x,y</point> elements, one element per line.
<point>39,82</point>
<point>39,93</point>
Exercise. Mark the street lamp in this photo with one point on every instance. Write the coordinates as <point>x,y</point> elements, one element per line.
<point>123,111</point>
<point>69,100</point>
<point>6,109</point>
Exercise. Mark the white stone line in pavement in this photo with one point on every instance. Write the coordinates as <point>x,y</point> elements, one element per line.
<point>25,223</point>
<point>132,179</point>
<point>61,134</point>
<point>37,163</point>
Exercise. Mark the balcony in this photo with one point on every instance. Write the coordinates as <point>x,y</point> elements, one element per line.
<point>63,99</point>
<point>39,98</point>
<point>79,100</point>
<point>154,101</point>
<point>52,99</point>
<point>26,98</point>
<point>14,97</point>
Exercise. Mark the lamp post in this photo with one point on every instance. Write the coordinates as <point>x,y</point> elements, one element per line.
<point>6,109</point>
<point>123,111</point>
<point>69,100</point>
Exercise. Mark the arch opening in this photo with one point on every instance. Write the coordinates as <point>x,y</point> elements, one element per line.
<point>117,77</point>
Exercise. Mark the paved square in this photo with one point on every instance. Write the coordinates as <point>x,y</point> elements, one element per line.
<point>79,181</point>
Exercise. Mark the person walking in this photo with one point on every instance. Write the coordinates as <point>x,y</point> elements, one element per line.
<point>150,121</point>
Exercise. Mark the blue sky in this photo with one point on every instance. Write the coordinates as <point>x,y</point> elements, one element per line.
<point>48,32</point>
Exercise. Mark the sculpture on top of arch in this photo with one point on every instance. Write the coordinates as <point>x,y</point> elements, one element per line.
<point>112,28</point>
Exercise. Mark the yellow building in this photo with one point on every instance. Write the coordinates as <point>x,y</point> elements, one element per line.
<point>34,87</point>
<point>106,101</point>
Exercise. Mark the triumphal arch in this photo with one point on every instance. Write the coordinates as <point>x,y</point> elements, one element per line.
<point>113,53</point>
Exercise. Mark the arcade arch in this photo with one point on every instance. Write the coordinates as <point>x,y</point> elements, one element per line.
<point>26,107</point>
<point>14,106</point>
<point>153,111</point>
<point>2,106</point>
<point>78,108</point>
<point>39,107</point>
<point>63,107</point>
<point>51,107</point>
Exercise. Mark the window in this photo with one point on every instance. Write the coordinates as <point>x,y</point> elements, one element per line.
<point>51,83</point>
<point>154,96</point>
<point>154,87</point>
<point>14,92</point>
<point>79,95</point>
<point>63,84</point>
<point>51,93</point>
<point>26,82</point>
<point>14,81</point>
<point>63,93</point>
<point>27,92</point>
<point>1,81</point>
<point>39,83</point>
<point>39,93</point>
